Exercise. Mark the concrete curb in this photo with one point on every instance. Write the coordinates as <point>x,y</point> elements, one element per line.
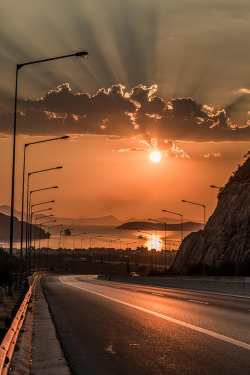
<point>47,355</point>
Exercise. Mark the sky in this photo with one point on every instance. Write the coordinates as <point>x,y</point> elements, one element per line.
<point>166,76</point>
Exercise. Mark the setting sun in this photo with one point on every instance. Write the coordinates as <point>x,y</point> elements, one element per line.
<point>155,156</point>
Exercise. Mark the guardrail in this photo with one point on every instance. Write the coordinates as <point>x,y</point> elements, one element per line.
<point>8,344</point>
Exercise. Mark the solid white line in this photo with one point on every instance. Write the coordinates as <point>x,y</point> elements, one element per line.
<point>168,318</point>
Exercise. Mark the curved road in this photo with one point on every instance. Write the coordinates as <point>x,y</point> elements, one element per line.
<point>114,328</point>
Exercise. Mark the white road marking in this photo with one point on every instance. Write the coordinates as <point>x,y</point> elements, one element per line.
<point>193,300</point>
<point>158,294</point>
<point>110,349</point>
<point>168,318</point>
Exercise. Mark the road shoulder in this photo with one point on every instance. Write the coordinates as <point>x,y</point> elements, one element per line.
<point>47,355</point>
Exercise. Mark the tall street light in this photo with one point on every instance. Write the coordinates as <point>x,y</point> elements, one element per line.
<point>129,253</point>
<point>27,198</point>
<point>48,229</point>
<point>175,213</point>
<point>28,183</point>
<point>198,204</point>
<point>23,183</point>
<point>31,219</point>
<point>165,240</point>
<point>18,67</point>
<point>204,208</point>
<point>28,210</point>
<point>145,226</point>
<point>36,219</point>
<point>90,240</point>
<point>68,233</point>
<point>151,253</point>
<point>74,235</point>
<point>40,225</point>
<point>31,224</point>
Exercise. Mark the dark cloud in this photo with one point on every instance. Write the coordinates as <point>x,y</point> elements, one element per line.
<point>116,113</point>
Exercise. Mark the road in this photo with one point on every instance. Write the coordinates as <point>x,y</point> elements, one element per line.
<point>114,328</point>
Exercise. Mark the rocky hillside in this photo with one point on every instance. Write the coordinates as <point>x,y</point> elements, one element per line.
<point>225,241</point>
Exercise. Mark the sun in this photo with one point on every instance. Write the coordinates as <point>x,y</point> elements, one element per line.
<point>155,156</point>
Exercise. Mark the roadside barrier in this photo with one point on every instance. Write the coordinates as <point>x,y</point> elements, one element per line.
<point>10,339</point>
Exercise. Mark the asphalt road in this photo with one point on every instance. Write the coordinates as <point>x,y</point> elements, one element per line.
<point>111,328</point>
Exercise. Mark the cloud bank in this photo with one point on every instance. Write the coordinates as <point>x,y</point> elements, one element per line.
<point>114,112</point>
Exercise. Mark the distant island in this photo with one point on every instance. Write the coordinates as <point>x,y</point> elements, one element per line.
<point>139,225</point>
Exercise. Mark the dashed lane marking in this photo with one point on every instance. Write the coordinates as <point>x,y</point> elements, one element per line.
<point>230,340</point>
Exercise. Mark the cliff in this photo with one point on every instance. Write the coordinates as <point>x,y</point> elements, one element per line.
<point>225,240</point>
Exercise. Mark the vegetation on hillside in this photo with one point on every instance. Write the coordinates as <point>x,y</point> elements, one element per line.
<point>241,174</point>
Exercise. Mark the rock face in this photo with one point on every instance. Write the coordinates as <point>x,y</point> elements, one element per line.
<point>224,244</point>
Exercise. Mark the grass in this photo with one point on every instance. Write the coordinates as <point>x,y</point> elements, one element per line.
<point>6,305</point>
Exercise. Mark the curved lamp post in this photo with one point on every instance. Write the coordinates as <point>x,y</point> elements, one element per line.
<point>175,213</point>
<point>203,255</point>
<point>48,229</point>
<point>165,241</point>
<point>23,183</point>
<point>29,205</point>
<point>18,67</point>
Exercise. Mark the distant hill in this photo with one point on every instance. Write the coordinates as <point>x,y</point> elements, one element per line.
<point>98,221</point>
<point>144,225</point>
<point>5,229</point>
<point>6,211</point>
<point>109,220</point>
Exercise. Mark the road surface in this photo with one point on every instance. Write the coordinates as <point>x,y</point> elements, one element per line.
<point>111,328</point>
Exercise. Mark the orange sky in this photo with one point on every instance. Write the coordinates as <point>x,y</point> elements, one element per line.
<point>172,76</point>
<point>96,180</point>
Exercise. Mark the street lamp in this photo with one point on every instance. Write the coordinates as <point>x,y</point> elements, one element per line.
<point>128,264</point>
<point>37,218</point>
<point>144,226</point>
<point>175,213</point>
<point>27,198</point>
<point>203,255</point>
<point>31,219</point>
<point>74,235</point>
<point>165,229</point>
<point>48,229</point>
<point>27,194</point>
<point>18,67</point>
<point>151,253</point>
<point>23,182</point>
<point>28,206</point>
<point>90,239</point>
<point>198,204</point>
<point>68,231</point>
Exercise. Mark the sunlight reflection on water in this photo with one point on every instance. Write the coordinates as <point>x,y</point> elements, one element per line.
<point>115,238</point>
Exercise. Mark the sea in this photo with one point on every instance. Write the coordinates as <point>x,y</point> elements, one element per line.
<point>83,237</point>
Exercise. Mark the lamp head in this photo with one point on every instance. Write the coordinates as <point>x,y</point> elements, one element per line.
<point>82,54</point>
<point>65,137</point>
<point>54,187</point>
<point>183,200</point>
